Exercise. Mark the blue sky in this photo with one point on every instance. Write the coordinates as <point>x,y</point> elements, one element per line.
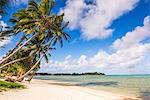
<point>107,36</point>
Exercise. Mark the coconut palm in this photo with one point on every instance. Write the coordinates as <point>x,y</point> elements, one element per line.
<point>37,20</point>
<point>40,49</point>
<point>21,55</point>
<point>20,67</point>
<point>3,7</point>
<point>4,34</point>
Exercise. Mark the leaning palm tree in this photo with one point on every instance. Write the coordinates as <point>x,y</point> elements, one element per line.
<point>43,46</point>
<point>40,49</point>
<point>20,67</point>
<point>21,55</point>
<point>37,20</point>
<point>4,35</point>
<point>3,10</point>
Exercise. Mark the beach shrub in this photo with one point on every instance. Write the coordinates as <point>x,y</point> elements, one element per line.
<point>10,85</point>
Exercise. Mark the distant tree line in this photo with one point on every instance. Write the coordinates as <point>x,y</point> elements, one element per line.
<point>73,74</point>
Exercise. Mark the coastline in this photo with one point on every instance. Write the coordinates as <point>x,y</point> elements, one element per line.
<point>54,90</point>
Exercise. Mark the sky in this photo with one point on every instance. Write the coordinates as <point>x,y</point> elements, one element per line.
<point>109,36</point>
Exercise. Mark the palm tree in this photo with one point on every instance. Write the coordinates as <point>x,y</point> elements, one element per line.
<point>14,61</point>
<point>40,49</point>
<point>4,35</point>
<point>37,20</point>
<point>21,55</point>
<point>3,7</point>
<point>20,67</point>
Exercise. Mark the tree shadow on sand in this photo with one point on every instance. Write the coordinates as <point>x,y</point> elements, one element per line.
<point>112,83</point>
<point>145,95</point>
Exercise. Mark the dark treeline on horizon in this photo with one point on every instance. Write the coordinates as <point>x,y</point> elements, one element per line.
<point>73,74</point>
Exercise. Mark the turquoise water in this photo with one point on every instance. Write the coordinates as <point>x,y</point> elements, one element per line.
<point>133,85</point>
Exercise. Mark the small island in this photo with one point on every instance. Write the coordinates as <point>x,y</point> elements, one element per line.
<point>72,74</point>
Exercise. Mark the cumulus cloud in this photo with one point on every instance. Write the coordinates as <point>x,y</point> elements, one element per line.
<point>95,17</point>
<point>127,54</point>
<point>5,40</point>
<point>73,12</point>
<point>120,59</point>
<point>18,2</point>
<point>135,36</point>
<point>3,25</point>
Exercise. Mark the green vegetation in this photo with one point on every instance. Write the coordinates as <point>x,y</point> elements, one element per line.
<point>19,66</point>
<point>72,74</point>
<point>10,85</point>
<point>41,31</point>
<point>4,5</point>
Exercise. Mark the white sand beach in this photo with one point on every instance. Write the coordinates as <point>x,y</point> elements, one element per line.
<point>51,90</point>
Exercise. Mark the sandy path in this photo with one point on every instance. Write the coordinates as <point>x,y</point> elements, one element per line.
<point>44,90</point>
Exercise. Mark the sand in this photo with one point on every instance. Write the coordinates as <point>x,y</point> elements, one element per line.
<point>52,90</point>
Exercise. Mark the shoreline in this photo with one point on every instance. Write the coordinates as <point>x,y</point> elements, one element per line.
<point>56,90</point>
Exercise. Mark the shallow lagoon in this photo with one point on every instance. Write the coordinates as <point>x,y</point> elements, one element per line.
<point>133,85</point>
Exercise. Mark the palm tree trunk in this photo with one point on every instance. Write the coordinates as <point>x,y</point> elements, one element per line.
<point>30,78</point>
<point>20,59</point>
<point>34,66</point>
<point>17,50</point>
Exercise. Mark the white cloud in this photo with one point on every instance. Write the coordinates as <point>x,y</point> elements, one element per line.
<point>6,40</point>
<point>95,18</point>
<point>82,61</point>
<point>147,65</point>
<point>73,12</point>
<point>68,57</point>
<point>134,37</point>
<point>124,58</point>
<point>18,2</point>
<point>3,25</point>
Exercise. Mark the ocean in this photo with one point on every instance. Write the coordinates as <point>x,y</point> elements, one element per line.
<point>132,85</point>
